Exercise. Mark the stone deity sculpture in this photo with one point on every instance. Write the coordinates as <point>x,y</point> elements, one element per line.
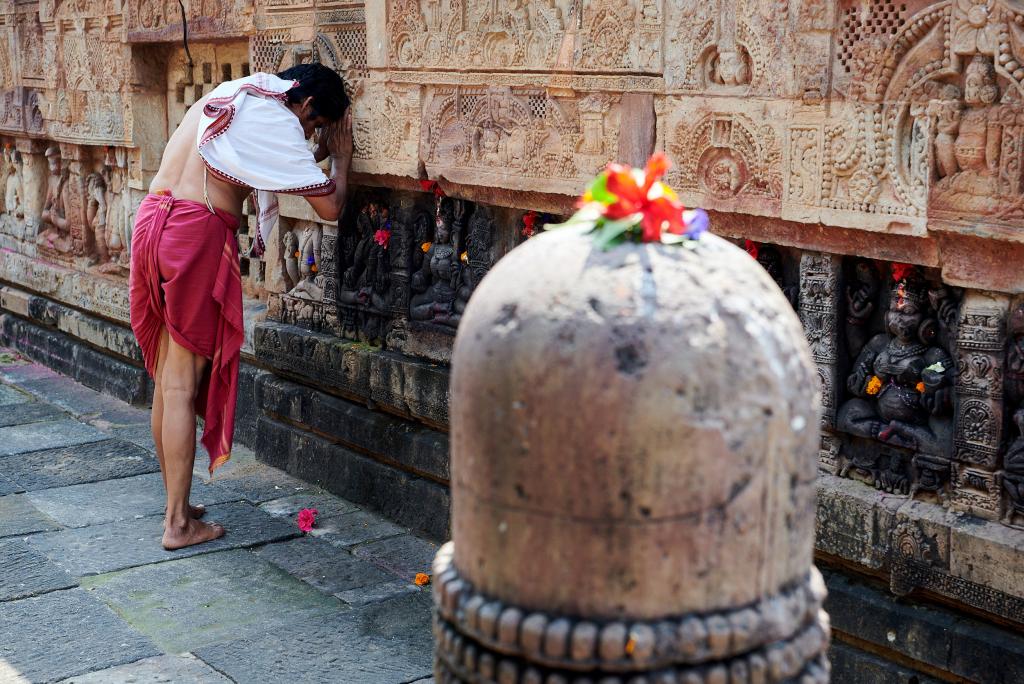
<point>901,384</point>
<point>478,257</point>
<point>436,283</point>
<point>968,141</point>
<point>96,218</point>
<point>118,222</point>
<point>12,185</point>
<point>860,305</point>
<point>54,229</point>
<point>291,258</point>
<point>310,284</point>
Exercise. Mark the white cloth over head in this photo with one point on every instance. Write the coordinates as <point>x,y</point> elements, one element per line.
<point>249,137</point>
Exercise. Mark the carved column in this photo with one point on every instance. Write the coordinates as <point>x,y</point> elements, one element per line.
<point>633,473</point>
<point>819,312</point>
<point>981,344</point>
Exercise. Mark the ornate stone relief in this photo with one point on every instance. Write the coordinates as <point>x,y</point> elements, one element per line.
<point>517,137</point>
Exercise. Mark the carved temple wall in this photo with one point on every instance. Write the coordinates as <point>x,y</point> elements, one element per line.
<point>870,155</point>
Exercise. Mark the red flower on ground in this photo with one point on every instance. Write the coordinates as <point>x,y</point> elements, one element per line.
<point>422,579</point>
<point>307,518</point>
<point>382,237</point>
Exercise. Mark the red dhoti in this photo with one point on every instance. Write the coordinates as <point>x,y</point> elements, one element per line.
<point>185,277</point>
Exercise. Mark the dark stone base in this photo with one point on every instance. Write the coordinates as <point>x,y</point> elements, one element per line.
<point>68,356</point>
<point>393,466</point>
<point>879,639</point>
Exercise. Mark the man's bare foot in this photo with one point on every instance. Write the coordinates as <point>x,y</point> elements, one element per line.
<point>197,511</point>
<point>192,533</point>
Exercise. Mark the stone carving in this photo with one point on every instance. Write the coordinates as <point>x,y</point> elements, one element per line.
<point>365,285</point>
<point>901,387</point>
<point>726,157</point>
<point>309,257</point>
<point>54,229</point>
<point>1013,460</point>
<point>436,285</point>
<point>13,192</point>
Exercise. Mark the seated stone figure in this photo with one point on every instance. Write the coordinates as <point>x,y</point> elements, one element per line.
<point>437,281</point>
<point>901,381</point>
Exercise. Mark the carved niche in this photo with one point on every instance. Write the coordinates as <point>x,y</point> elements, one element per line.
<point>897,410</point>
<point>724,46</point>
<point>450,264</point>
<point>933,122</point>
<point>726,159</point>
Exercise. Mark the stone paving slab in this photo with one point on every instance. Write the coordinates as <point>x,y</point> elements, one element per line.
<point>328,568</point>
<point>376,593</point>
<point>131,497</point>
<point>8,486</point>
<point>18,374</point>
<point>255,481</point>
<point>165,669</point>
<point>83,402</point>
<point>186,604</point>
<point>357,527</point>
<point>405,555</point>
<point>28,412</point>
<point>130,543</point>
<point>10,396</point>
<point>326,505</point>
<point>93,462</point>
<point>65,633</point>
<point>20,439</point>
<point>25,572</point>
<point>18,515</point>
<point>385,643</point>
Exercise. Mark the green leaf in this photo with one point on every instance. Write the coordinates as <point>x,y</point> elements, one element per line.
<point>611,232</point>
<point>585,219</point>
<point>598,190</point>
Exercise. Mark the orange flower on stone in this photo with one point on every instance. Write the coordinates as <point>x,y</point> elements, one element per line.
<point>874,385</point>
<point>425,247</point>
<point>919,387</point>
<point>422,579</point>
<point>631,645</point>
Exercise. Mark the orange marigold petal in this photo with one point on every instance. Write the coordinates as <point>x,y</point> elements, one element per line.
<point>422,579</point>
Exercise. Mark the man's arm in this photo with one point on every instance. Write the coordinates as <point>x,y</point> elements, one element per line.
<point>339,148</point>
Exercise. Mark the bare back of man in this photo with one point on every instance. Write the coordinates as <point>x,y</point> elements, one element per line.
<point>179,372</point>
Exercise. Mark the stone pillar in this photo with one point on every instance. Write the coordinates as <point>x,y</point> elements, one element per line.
<point>634,453</point>
<point>819,313</point>
<point>981,348</point>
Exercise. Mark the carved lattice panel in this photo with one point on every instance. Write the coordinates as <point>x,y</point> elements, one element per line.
<point>212,65</point>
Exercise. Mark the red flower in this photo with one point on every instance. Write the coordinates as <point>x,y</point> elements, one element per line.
<point>529,223</point>
<point>751,248</point>
<point>382,237</point>
<point>636,192</point>
<point>432,186</point>
<point>901,271</point>
<point>307,517</point>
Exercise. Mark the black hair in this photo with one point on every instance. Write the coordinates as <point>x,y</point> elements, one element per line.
<point>324,85</point>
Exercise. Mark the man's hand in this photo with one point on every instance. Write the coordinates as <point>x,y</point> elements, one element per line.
<point>339,138</point>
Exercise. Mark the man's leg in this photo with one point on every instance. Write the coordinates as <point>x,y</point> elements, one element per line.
<point>157,415</point>
<point>179,380</point>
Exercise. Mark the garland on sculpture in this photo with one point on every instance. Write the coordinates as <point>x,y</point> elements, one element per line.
<point>625,204</point>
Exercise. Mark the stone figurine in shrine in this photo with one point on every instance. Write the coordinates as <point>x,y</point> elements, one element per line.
<point>96,218</point>
<point>436,283</point>
<point>901,383</point>
<point>310,285</point>
<point>12,184</point>
<point>54,228</point>
<point>118,219</point>
<point>291,257</point>
<point>374,282</point>
<point>1013,461</point>
<point>771,261</point>
<point>478,256</point>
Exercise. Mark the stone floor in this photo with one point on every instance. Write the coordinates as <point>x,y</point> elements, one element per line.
<point>87,594</point>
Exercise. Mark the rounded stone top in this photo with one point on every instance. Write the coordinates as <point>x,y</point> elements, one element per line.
<point>634,432</point>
